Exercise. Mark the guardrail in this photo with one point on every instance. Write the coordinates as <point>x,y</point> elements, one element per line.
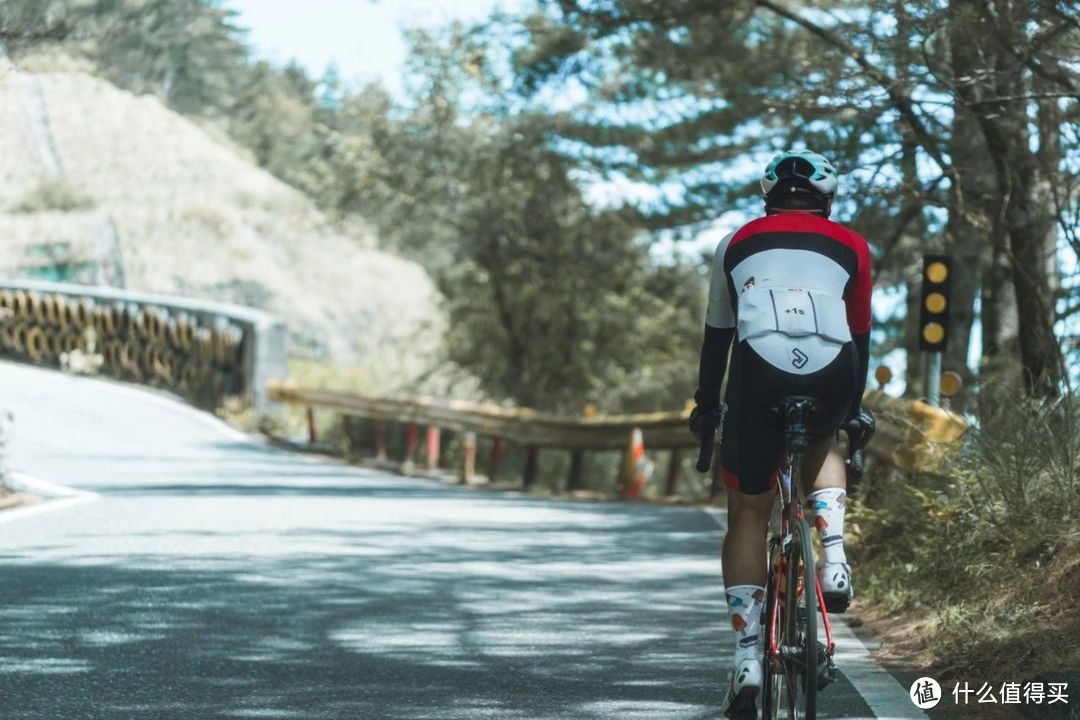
<point>204,351</point>
<point>911,435</point>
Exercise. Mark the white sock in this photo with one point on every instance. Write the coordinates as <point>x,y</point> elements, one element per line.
<point>745,603</point>
<point>827,510</point>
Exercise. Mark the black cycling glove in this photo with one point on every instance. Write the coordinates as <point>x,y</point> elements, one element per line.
<point>864,423</point>
<point>704,421</point>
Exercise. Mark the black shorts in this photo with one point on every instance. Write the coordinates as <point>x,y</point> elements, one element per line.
<point>752,444</point>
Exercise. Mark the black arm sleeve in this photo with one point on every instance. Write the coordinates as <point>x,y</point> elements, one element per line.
<point>862,366</point>
<point>714,356</point>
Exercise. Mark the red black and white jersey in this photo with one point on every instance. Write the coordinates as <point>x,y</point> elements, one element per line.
<point>795,285</point>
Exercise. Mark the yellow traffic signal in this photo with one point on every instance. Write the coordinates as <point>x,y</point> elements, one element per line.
<point>951,383</point>
<point>934,308</point>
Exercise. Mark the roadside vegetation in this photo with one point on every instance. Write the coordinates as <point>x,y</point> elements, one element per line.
<point>984,560</point>
<point>53,195</point>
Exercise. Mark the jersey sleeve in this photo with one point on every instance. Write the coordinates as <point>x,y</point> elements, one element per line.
<point>859,313</point>
<point>720,314</point>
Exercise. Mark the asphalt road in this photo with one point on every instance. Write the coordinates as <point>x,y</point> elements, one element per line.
<point>215,577</point>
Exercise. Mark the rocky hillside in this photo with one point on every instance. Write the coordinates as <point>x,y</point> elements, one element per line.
<point>100,186</point>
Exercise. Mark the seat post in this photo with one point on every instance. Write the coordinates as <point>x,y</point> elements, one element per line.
<point>795,429</point>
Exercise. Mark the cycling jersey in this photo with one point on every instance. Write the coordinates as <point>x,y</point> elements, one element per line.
<point>794,288</point>
<point>791,250</point>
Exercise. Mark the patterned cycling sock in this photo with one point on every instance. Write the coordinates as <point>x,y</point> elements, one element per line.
<point>745,603</point>
<point>827,509</point>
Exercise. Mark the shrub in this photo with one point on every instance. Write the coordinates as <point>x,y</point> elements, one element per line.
<point>55,195</point>
<point>991,549</point>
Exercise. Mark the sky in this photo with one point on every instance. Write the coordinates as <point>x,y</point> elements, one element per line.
<point>362,38</point>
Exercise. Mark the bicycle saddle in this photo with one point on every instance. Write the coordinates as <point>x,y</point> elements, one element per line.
<point>796,407</point>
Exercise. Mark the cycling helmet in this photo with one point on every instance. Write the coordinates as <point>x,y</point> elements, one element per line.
<point>799,171</point>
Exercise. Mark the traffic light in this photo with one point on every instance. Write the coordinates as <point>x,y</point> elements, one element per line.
<point>934,305</point>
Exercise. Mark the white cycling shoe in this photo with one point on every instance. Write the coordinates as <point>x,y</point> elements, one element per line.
<point>744,687</point>
<point>835,580</point>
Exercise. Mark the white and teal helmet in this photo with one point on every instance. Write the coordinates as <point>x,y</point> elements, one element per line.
<point>800,170</point>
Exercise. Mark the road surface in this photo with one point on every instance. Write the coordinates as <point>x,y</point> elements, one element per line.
<point>212,576</point>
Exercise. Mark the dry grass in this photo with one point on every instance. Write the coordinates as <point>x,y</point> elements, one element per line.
<point>54,195</point>
<point>987,559</point>
<point>195,217</point>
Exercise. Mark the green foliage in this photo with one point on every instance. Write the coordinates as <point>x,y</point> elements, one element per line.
<point>53,195</point>
<point>551,303</point>
<point>938,154</point>
<point>991,549</point>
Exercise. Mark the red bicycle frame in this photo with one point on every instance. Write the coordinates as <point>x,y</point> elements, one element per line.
<point>790,508</point>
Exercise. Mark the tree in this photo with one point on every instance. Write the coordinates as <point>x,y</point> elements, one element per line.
<point>703,84</point>
<point>552,303</point>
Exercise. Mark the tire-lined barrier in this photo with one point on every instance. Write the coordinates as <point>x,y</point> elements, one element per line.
<point>912,435</point>
<point>203,351</point>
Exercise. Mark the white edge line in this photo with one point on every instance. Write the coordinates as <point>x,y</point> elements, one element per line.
<point>58,497</point>
<point>882,692</point>
<point>25,482</point>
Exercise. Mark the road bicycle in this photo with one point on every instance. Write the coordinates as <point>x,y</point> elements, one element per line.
<point>796,663</point>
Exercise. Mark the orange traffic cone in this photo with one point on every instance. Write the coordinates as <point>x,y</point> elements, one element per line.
<point>635,469</point>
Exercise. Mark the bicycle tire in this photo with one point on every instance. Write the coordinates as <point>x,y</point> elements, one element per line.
<point>800,626</point>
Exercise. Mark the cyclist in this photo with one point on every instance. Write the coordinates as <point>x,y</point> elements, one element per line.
<point>793,289</point>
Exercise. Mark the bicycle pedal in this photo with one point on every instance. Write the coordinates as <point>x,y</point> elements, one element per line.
<point>826,668</point>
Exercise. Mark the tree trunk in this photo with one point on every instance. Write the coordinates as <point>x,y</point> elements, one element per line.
<point>1000,324</point>
<point>913,379</point>
<point>1022,228</point>
<point>968,231</point>
<point>909,197</point>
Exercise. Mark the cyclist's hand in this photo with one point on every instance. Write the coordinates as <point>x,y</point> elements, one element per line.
<point>704,421</point>
<point>864,423</point>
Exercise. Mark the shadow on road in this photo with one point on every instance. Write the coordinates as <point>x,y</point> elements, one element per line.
<point>472,607</point>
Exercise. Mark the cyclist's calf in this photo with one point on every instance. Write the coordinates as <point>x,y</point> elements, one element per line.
<point>823,466</point>
<point>744,544</point>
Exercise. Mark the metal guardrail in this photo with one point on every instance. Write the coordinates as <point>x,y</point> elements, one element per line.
<point>911,435</point>
<point>527,427</point>
<point>202,350</point>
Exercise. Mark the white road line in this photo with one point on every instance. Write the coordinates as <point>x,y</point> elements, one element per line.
<point>25,482</point>
<point>887,698</point>
<point>882,692</point>
<point>59,497</point>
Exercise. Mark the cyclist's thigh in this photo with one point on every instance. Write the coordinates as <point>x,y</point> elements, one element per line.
<point>752,444</point>
<point>834,386</point>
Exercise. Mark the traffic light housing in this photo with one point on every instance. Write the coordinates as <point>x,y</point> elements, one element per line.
<point>934,302</point>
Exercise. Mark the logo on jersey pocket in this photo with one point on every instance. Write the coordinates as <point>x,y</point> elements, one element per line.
<point>799,358</point>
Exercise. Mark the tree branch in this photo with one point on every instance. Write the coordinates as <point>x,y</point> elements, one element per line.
<point>57,32</point>
<point>891,86</point>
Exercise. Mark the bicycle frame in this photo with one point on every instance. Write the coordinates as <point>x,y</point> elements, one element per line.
<point>790,496</point>
<point>790,521</point>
